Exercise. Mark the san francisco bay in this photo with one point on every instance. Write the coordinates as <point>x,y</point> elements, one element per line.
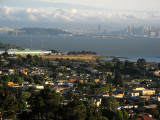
<point>131,47</point>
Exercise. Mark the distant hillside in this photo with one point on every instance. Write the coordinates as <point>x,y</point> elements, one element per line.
<point>38,31</point>
<point>8,46</point>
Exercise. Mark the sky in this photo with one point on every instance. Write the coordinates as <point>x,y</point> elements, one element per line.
<point>79,14</point>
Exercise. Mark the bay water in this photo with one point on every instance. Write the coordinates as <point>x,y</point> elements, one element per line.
<point>131,47</point>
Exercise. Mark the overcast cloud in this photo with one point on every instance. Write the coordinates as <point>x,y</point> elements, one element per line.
<point>63,12</point>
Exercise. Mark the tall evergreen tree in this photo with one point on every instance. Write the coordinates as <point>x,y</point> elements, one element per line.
<point>74,110</point>
<point>45,105</point>
<point>118,80</point>
<point>8,105</point>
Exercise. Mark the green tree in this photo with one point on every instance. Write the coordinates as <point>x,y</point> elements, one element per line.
<point>18,80</point>
<point>6,78</point>
<point>108,113</point>
<point>30,80</point>
<point>38,82</point>
<point>131,117</point>
<point>159,66</point>
<point>141,63</point>
<point>110,87</point>
<point>25,95</point>
<point>109,103</point>
<point>118,115</point>
<point>21,105</point>
<point>92,112</point>
<point>25,115</point>
<point>74,110</point>
<point>2,64</point>
<point>29,57</point>
<point>8,105</point>
<point>5,54</point>
<point>20,60</point>
<point>119,66</point>
<point>109,79</point>
<point>128,64</point>
<point>118,80</point>
<point>45,104</point>
<point>32,90</point>
<point>153,111</point>
<point>98,91</point>
<point>115,59</point>
<point>125,115</point>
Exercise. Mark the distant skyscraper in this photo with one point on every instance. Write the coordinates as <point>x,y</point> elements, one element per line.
<point>129,29</point>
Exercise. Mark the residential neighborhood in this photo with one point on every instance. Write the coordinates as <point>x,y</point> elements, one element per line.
<point>133,87</point>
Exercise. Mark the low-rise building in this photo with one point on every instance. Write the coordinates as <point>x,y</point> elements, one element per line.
<point>134,94</point>
<point>39,87</point>
<point>12,84</point>
<point>148,92</point>
<point>26,52</point>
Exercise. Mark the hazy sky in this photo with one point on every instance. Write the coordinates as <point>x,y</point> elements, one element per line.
<point>79,13</point>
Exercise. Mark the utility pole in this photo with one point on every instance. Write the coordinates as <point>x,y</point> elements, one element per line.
<point>31,43</point>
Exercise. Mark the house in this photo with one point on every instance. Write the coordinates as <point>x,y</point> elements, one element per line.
<point>156,72</point>
<point>108,73</point>
<point>96,80</point>
<point>118,95</point>
<point>150,106</point>
<point>68,68</point>
<point>144,117</point>
<point>134,94</point>
<point>58,89</point>
<point>105,95</point>
<point>24,84</point>
<point>98,102</point>
<point>94,71</point>
<point>143,98</point>
<point>148,92</point>
<point>103,82</point>
<point>62,90</point>
<point>67,75</point>
<point>47,83</point>
<point>157,98</point>
<point>127,107</point>
<point>24,70</point>
<point>62,67</point>
<point>133,82</point>
<point>63,82</point>
<point>81,81</point>
<point>72,80</point>
<point>60,80</point>
<point>39,87</point>
<point>12,84</point>
<point>11,71</point>
<point>139,88</point>
<point>1,72</point>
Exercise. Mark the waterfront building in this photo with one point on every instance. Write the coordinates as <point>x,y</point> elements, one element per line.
<point>26,52</point>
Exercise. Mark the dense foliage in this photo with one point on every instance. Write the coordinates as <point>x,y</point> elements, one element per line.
<point>8,46</point>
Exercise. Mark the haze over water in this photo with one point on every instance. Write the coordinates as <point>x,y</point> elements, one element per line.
<point>133,48</point>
